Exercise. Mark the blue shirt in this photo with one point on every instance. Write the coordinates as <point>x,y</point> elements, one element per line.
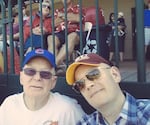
<point>134,112</point>
<point>147,18</point>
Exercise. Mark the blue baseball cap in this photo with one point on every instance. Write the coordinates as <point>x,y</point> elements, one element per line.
<point>40,53</point>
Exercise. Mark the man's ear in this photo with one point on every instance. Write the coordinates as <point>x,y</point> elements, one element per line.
<point>115,74</point>
<point>20,77</point>
<point>54,81</point>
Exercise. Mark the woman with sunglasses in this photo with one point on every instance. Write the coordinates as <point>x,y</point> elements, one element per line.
<point>37,30</point>
<point>98,81</point>
<point>37,105</point>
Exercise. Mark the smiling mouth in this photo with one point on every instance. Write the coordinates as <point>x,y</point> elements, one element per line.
<point>94,93</point>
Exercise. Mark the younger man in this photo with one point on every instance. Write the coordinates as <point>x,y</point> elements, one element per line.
<point>98,81</point>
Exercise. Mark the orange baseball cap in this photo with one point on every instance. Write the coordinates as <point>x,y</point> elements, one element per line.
<point>90,59</point>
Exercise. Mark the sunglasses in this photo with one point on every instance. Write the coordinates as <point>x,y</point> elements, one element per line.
<point>91,76</point>
<point>46,6</point>
<point>43,74</point>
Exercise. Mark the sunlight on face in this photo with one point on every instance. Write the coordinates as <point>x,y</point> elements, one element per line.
<point>102,89</point>
<point>35,85</point>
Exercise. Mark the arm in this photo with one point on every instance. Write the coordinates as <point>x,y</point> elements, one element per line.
<point>16,36</point>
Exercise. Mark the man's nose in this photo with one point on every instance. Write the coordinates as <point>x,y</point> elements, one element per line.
<point>37,76</point>
<point>89,85</point>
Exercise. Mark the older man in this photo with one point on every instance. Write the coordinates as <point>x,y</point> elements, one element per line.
<point>37,105</point>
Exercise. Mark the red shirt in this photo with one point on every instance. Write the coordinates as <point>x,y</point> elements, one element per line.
<point>72,26</point>
<point>36,22</point>
<point>90,15</point>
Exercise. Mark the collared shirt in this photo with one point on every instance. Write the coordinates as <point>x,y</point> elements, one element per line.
<point>134,112</point>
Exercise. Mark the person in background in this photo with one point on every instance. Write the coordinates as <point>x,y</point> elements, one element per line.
<point>147,25</point>
<point>24,12</point>
<point>37,104</point>
<point>15,30</point>
<point>73,21</point>
<point>36,28</point>
<point>98,82</point>
<point>121,35</point>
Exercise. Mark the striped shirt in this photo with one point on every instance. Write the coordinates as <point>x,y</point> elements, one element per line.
<point>134,112</point>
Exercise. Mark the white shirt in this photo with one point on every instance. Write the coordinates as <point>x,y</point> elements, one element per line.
<point>59,108</point>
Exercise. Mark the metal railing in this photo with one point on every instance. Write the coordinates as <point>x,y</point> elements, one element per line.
<point>7,20</point>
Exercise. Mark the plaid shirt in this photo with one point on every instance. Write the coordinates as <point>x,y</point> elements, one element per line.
<point>134,112</point>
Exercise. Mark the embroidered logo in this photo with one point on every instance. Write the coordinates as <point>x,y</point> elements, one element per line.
<point>82,58</point>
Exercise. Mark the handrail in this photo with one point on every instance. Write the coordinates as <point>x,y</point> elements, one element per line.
<point>141,71</point>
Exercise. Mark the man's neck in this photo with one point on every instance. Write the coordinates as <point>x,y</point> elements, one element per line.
<point>111,111</point>
<point>33,103</point>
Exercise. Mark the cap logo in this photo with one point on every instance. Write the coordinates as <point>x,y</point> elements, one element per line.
<point>82,57</point>
<point>39,51</point>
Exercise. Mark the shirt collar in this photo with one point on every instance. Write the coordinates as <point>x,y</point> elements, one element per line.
<point>129,109</point>
<point>128,112</point>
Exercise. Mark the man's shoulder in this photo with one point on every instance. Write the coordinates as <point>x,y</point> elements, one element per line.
<point>63,98</point>
<point>68,104</point>
<point>140,108</point>
<point>143,105</point>
<point>143,111</point>
<point>12,99</point>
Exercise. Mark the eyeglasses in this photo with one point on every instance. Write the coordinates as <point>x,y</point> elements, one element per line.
<point>91,76</point>
<point>46,6</point>
<point>32,72</point>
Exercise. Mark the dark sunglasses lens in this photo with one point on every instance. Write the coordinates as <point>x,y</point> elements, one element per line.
<point>29,71</point>
<point>94,74</point>
<point>49,7</point>
<point>45,6</point>
<point>45,74</point>
<point>79,85</point>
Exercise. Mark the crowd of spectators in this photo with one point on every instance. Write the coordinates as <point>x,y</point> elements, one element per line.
<point>66,29</point>
<point>37,28</point>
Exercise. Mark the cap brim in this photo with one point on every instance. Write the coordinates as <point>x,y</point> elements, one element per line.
<point>28,58</point>
<point>70,73</point>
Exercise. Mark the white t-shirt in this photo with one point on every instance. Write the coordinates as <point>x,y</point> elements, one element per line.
<point>60,109</point>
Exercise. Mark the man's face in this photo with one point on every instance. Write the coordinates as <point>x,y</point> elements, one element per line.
<point>45,9</point>
<point>36,85</point>
<point>103,88</point>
